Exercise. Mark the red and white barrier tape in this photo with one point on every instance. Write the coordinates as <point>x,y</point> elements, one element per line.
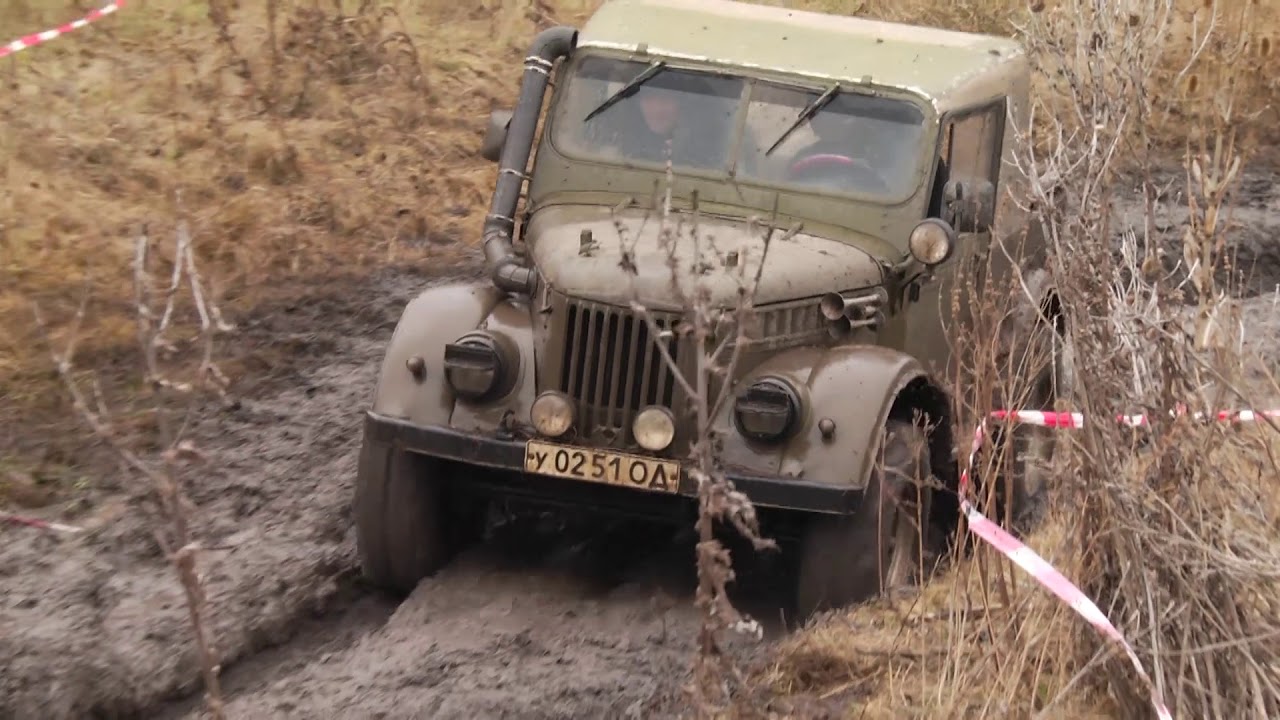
<point>38,523</point>
<point>1076,420</point>
<point>1035,566</point>
<point>27,41</point>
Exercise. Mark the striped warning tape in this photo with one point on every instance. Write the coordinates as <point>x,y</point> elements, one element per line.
<point>37,523</point>
<point>1076,420</point>
<point>27,41</point>
<point>1045,574</point>
<point>1035,566</point>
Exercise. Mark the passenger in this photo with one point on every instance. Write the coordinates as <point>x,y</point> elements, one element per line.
<point>842,164</point>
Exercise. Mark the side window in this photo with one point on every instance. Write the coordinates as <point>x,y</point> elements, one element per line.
<point>970,149</point>
<point>973,147</point>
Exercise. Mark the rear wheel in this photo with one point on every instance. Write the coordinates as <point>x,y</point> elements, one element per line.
<point>1030,449</point>
<point>1034,447</point>
<point>407,523</point>
<point>852,558</point>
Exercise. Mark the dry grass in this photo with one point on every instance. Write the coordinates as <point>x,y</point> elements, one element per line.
<point>306,142</point>
<point>315,142</point>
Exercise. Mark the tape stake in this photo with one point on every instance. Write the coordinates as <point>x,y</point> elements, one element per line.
<point>28,41</point>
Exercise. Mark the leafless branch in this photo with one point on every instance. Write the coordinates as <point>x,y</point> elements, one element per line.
<point>175,538</point>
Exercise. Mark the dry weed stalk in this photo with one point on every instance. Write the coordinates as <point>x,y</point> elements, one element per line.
<point>155,318</point>
<point>715,336</point>
<point>1172,536</point>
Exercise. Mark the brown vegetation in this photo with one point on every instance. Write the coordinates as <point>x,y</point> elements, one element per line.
<point>308,142</point>
<point>1176,545</point>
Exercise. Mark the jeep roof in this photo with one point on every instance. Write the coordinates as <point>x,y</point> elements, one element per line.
<point>947,67</point>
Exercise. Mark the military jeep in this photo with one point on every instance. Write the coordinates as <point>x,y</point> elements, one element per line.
<point>880,145</point>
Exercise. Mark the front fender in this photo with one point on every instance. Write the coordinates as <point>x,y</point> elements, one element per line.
<point>436,317</point>
<point>853,385</point>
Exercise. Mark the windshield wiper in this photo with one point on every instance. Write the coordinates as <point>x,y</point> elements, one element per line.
<point>629,89</point>
<point>809,111</point>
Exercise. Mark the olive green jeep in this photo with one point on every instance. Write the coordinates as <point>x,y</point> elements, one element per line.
<point>879,146</point>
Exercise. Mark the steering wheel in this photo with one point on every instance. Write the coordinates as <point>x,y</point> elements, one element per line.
<point>820,163</point>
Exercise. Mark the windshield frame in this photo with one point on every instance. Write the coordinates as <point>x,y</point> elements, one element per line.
<point>751,78</point>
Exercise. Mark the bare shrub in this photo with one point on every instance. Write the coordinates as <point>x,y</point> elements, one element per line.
<point>174,403</point>
<point>714,336</point>
<point>1172,540</point>
<point>1170,527</point>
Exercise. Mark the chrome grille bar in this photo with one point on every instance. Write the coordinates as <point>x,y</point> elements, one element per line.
<point>611,365</point>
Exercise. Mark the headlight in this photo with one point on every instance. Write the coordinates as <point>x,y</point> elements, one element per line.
<point>767,410</point>
<point>654,428</point>
<point>552,413</point>
<point>932,242</point>
<point>475,366</point>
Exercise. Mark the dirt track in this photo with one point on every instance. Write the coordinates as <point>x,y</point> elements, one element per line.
<point>532,624</point>
<point>528,625</point>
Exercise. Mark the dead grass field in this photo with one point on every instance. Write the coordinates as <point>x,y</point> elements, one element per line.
<point>312,143</point>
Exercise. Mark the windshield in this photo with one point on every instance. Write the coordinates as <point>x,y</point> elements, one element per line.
<point>692,113</point>
<point>849,144</point>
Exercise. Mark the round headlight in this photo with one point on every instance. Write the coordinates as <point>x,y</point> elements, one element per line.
<point>932,242</point>
<point>552,414</point>
<point>478,367</point>
<point>767,410</point>
<point>654,428</point>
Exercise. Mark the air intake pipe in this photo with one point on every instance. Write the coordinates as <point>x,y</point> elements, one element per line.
<point>505,268</point>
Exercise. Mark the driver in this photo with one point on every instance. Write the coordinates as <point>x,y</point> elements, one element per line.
<point>684,116</point>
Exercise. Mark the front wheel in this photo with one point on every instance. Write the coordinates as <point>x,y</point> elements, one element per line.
<point>852,558</point>
<point>407,528</point>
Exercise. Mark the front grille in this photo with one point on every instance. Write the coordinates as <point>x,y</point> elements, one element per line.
<point>788,324</point>
<point>611,365</point>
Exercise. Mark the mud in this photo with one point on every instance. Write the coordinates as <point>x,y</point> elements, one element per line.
<point>489,638</point>
<point>532,623</point>
<point>97,625</point>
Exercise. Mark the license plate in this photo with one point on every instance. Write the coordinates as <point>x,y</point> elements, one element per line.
<point>601,466</point>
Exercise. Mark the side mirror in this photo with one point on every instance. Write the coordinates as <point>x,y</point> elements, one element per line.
<point>495,135</point>
<point>969,206</point>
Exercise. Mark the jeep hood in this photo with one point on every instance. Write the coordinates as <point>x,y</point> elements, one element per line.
<point>800,266</point>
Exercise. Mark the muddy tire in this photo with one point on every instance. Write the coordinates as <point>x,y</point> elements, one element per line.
<point>852,558</point>
<point>404,531</point>
<point>1034,447</point>
<point>1022,496</point>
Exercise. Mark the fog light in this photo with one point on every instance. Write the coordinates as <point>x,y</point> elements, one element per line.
<point>552,414</point>
<point>766,410</point>
<point>474,367</point>
<point>654,428</point>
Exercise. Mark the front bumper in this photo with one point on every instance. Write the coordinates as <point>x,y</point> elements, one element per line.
<point>508,453</point>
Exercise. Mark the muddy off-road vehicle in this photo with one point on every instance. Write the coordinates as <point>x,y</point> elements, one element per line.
<point>877,147</point>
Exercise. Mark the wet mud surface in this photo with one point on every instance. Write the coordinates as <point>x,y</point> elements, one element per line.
<point>534,622</point>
